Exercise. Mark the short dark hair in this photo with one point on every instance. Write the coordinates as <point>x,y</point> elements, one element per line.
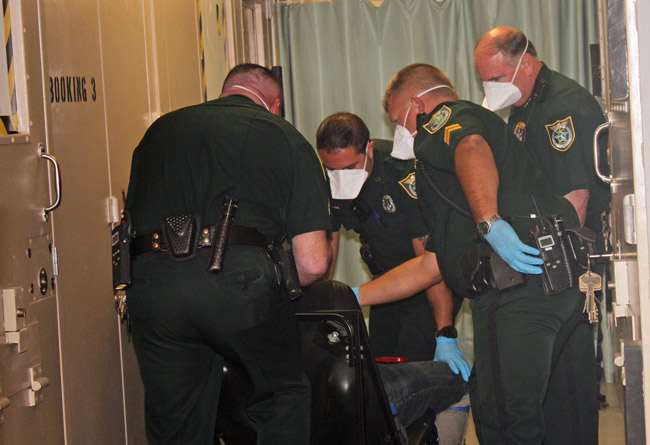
<point>342,130</point>
<point>421,76</point>
<point>255,74</point>
<point>510,41</point>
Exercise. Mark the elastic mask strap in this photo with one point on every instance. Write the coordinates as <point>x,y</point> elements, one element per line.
<point>253,92</point>
<point>419,95</point>
<point>433,88</point>
<point>365,160</point>
<point>519,63</point>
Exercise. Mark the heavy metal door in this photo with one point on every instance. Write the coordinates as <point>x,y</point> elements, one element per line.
<point>137,60</point>
<point>90,76</point>
<point>30,376</point>
<point>625,62</point>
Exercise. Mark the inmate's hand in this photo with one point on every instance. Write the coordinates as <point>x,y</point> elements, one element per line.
<point>509,247</point>
<point>447,351</point>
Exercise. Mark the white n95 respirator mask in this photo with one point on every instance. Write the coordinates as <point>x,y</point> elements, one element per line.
<point>347,183</point>
<point>499,95</point>
<point>403,139</point>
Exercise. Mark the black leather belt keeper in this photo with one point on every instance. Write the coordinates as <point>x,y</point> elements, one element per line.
<point>155,242</point>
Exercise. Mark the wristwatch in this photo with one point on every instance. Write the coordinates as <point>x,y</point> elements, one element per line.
<point>484,226</point>
<point>447,331</point>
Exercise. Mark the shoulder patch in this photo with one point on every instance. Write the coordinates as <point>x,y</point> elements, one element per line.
<point>408,184</point>
<point>561,134</point>
<point>438,120</point>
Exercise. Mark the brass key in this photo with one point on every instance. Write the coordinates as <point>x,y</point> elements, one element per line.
<point>120,305</point>
<point>589,283</point>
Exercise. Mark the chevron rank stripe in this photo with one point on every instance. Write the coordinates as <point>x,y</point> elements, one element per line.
<point>449,130</point>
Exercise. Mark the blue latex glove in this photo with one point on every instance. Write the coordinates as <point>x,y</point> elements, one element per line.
<point>447,351</point>
<point>509,247</point>
<point>355,289</point>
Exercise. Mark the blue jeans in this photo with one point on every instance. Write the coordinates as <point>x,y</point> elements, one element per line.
<point>414,387</point>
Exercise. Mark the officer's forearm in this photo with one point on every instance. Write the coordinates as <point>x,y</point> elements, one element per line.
<point>439,295</point>
<point>403,281</point>
<point>312,252</point>
<point>440,301</point>
<point>334,242</point>
<point>478,176</point>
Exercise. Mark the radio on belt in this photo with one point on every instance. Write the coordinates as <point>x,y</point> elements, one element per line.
<point>557,274</point>
<point>121,238</point>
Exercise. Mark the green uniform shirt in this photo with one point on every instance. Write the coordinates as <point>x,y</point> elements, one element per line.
<point>453,234</point>
<point>190,159</point>
<point>556,126</point>
<point>387,217</point>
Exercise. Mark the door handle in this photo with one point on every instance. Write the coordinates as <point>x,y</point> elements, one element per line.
<point>605,178</point>
<point>57,181</point>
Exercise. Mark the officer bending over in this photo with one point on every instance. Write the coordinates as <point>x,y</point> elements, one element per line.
<point>374,195</point>
<point>186,319</point>
<point>533,370</point>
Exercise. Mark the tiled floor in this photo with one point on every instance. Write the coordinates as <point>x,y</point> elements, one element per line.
<point>611,424</point>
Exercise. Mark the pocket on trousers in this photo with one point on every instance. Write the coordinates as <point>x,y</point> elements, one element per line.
<point>252,295</point>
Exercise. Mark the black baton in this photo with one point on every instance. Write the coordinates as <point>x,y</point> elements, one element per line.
<point>220,241</point>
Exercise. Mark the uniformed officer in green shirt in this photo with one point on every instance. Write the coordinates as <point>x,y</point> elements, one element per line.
<point>520,335</point>
<point>374,195</point>
<point>553,118</point>
<point>185,319</point>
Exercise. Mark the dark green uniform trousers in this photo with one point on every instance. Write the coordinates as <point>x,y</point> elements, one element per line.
<point>186,320</point>
<point>533,371</point>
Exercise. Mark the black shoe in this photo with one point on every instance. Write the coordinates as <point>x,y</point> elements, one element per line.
<point>602,401</point>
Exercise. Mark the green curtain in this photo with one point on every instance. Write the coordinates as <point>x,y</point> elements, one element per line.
<point>340,55</point>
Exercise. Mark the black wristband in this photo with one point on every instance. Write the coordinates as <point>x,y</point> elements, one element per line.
<point>447,331</point>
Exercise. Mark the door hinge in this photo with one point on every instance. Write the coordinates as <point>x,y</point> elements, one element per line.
<point>629,224</point>
<point>55,262</point>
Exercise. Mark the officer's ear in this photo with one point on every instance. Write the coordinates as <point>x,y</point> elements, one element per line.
<point>417,105</point>
<point>276,107</point>
<point>527,64</point>
<point>371,149</point>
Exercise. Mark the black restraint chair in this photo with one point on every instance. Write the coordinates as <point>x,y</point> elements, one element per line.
<point>349,405</point>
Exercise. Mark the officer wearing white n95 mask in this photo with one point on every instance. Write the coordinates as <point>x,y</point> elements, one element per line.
<point>348,176</point>
<point>499,93</point>
<point>403,140</point>
<point>375,196</point>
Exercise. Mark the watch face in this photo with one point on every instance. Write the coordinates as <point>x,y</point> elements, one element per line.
<point>483,227</point>
<point>447,331</point>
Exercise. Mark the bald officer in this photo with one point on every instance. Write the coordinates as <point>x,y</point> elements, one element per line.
<point>552,117</point>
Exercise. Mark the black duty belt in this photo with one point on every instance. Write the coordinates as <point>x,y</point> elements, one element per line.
<point>155,242</point>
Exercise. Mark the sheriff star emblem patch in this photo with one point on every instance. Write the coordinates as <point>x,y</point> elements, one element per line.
<point>561,134</point>
<point>409,185</point>
<point>438,120</point>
